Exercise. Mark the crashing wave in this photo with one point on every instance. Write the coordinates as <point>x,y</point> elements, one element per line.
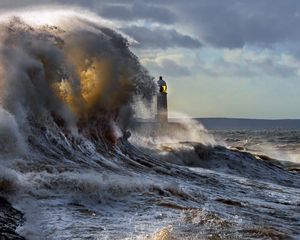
<point>82,77</point>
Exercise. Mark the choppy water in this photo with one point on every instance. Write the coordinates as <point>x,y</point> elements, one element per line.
<point>282,144</point>
<point>215,193</point>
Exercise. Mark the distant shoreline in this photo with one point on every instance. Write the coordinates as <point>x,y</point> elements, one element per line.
<point>244,123</point>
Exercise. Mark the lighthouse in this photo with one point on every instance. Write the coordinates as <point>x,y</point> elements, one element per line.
<point>162,102</point>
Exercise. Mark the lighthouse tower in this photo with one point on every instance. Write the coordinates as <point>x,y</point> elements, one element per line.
<point>162,102</point>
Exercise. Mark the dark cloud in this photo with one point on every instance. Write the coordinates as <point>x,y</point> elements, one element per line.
<point>160,38</point>
<point>235,23</point>
<point>230,23</point>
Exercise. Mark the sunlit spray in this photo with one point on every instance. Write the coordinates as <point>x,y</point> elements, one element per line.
<point>79,72</point>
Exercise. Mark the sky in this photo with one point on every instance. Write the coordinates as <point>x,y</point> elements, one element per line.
<point>233,58</point>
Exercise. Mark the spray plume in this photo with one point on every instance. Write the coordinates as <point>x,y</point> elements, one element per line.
<point>76,69</point>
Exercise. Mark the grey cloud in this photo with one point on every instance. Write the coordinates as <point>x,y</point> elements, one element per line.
<point>120,10</point>
<point>169,68</point>
<point>161,38</point>
<point>245,68</point>
<point>235,23</point>
<point>10,4</point>
<point>154,13</point>
<point>138,11</point>
<point>279,70</point>
<point>230,23</point>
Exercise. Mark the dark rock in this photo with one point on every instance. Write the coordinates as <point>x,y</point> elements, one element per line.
<point>230,202</point>
<point>10,218</point>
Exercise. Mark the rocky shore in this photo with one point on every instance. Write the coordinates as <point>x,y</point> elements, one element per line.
<point>10,218</point>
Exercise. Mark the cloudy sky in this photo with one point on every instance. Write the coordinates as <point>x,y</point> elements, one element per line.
<point>233,58</point>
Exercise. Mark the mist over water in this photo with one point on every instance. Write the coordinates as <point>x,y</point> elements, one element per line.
<point>68,87</point>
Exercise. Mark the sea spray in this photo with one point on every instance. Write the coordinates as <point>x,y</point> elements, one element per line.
<point>76,74</point>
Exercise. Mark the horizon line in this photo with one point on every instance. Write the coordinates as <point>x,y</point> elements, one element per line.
<point>229,118</point>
